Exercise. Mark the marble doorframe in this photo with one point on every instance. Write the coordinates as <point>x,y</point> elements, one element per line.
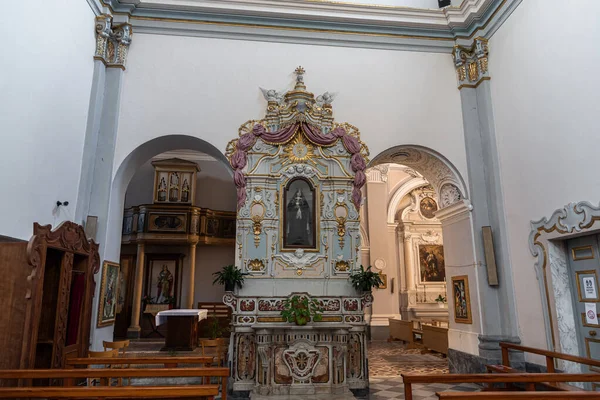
<point>547,243</point>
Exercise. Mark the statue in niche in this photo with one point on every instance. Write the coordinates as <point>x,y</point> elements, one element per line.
<point>164,285</point>
<point>162,190</point>
<point>185,194</point>
<point>299,225</point>
<point>174,191</point>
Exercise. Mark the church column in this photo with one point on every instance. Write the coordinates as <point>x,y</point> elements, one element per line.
<point>499,321</point>
<point>110,53</point>
<point>135,330</point>
<point>393,268</point>
<point>408,262</point>
<point>192,274</point>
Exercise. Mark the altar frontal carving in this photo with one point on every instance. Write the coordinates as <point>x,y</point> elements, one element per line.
<point>299,176</point>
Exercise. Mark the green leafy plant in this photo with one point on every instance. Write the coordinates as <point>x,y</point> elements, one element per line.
<point>365,279</point>
<point>214,328</point>
<point>441,299</point>
<point>230,276</point>
<point>301,310</point>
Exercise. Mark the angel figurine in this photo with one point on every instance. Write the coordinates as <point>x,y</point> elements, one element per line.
<point>273,95</point>
<point>325,98</point>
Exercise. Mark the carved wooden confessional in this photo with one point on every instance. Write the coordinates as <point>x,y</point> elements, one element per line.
<point>46,295</point>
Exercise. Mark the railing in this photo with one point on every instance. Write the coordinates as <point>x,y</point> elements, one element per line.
<point>550,356</point>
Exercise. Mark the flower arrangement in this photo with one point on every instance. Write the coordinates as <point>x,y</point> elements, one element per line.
<point>301,310</point>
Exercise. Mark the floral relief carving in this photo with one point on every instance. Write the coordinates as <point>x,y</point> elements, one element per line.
<point>449,195</point>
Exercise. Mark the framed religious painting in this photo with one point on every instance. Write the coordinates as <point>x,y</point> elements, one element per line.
<point>109,294</point>
<point>163,279</point>
<point>299,216</point>
<point>431,263</point>
<point>428,207</point>
<point>462,300</point>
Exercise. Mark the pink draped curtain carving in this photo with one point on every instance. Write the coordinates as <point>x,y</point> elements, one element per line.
<point>239,158</point>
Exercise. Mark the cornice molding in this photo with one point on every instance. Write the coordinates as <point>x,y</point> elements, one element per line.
<point>311,22</point>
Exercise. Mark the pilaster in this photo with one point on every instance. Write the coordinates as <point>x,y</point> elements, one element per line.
<point>499,321</point>
<point>110,54</point>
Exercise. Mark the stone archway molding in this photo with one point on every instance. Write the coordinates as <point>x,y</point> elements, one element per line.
<point>399,194</point>
<point>545,243</point>
<point>435,168</point>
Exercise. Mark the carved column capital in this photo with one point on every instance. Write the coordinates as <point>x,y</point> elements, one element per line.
<point>471,63</point>
<point>112,41</point>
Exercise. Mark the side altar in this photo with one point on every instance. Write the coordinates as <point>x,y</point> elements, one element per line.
<point>299,176</point>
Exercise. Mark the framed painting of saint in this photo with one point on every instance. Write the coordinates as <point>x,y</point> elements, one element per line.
<point>462,300</point>
<point>109,292</point>
<point>299,222</point>
<point>431,263</point>
<point>163,275</point>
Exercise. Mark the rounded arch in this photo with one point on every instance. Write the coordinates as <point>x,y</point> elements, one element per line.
<point>399,194</point>
<point>434,167</point>
<point>126,170</point>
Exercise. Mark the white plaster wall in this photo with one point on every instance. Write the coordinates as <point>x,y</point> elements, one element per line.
<point>543,63</point>
<point>45,84</point>
<point>208,87</point>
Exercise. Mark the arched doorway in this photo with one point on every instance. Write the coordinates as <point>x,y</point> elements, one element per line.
<point>137,168</point>
<point>425,173</point>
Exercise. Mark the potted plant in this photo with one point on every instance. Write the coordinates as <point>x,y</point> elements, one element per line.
<point>440,300</point>
<point>364,280</point>
<point>230,276</point>
<point>214,328</point>
<point>301,310</point>
<point>170,300</point>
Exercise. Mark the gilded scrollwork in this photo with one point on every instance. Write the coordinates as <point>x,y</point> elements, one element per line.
<point>112,41</point>
<point>471,63</point>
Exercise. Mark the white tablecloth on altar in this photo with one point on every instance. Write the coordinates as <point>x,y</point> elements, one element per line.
<point>162,316</point>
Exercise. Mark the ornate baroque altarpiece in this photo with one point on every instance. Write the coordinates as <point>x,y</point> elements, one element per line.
<point>299,176</point>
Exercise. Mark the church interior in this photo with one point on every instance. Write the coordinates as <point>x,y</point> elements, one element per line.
<point>300,199</point>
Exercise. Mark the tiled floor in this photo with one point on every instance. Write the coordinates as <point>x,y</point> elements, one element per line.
<point>387,360</point>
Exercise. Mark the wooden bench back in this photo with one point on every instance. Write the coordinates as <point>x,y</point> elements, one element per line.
<point>410,379</point>
<point>516,395</point>
<point>171,362</point>
<point>69,376</point>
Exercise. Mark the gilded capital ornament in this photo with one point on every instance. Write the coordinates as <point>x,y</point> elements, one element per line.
<point>112,41</point>
<point>471,63</point>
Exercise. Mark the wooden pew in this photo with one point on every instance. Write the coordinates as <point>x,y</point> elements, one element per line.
<point>435,338</point>
<point>168,362</point>
<point>69,376</point>
<point>551,356</point>
<point>401,330</point>
<point>517,395</point>
<point>531,379</point>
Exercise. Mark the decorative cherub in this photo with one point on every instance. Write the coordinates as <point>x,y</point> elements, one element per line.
<point>325,98</point>
<point>273,95</point>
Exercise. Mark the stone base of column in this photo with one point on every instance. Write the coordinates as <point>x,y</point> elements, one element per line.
<point>134,332</point>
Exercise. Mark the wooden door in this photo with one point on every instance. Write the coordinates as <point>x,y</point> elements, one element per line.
<point>584,263</point>
<point>125,296</point>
